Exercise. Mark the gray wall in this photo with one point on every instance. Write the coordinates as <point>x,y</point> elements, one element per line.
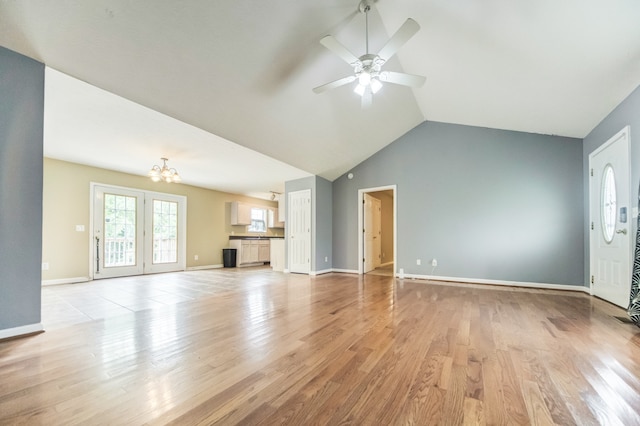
<point>627,113</point>
<point>323,224</point>
<point>486,203</point>
<point>21,129</point>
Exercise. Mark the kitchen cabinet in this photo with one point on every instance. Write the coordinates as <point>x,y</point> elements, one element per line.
<point>252,251</point>
<point>277,254</point>
<point>274,221</point>
<point>240,213</point>
<point>281,209</point>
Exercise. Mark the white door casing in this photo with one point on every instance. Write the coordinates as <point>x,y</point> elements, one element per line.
<point>299,228</point>
<point>610,219</point>
<point>361,245</point>
<point>372,233</point>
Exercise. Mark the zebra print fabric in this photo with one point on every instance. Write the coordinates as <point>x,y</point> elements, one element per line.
<point>634,297</point>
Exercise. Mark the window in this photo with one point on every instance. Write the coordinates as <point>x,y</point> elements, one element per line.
<point>258,220</point>
<point>165,231</point>
<point>608,208</point>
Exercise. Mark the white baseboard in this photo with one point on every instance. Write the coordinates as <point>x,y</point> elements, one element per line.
<point>20,331</point>
<point>198,268</point>
<point>73,280</point>
<point>345,271</point>
<point>324,271</point>
<point>499,282</point>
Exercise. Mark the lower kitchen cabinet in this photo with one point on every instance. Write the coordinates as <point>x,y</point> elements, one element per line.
<point>251,251</point>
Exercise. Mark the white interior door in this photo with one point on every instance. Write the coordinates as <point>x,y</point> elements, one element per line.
<point>372,233</point>
<point>299,228</point>
<point>118,227</point>
<point>610,220</point>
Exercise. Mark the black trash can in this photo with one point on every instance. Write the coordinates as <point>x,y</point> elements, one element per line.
<point>229,257</point>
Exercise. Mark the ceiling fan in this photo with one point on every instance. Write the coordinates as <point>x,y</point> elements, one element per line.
<point>367,68</point>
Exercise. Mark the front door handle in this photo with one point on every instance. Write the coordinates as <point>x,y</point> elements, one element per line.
<point>622,231</point>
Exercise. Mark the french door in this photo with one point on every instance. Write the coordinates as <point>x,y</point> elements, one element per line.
<point>137,232</point>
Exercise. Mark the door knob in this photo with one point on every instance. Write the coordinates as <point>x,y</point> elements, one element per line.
<point>621,231</point>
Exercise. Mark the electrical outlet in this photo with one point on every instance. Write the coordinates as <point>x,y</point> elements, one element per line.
<point>434,262</point>
<point>45,266</point>
<point>418,262</point>
<point>326,258</point>
<point>195,257</point>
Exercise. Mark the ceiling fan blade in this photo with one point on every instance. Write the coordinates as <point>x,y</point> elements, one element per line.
<point>404,33</point>
<point>401,78</point>
<point>367,98</point>
<point>338,48</point>
<point>334,84</point>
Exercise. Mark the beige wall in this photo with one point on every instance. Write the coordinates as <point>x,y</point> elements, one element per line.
<point>66,203</point>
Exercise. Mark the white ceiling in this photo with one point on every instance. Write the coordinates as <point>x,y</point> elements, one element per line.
<point>243,70</point>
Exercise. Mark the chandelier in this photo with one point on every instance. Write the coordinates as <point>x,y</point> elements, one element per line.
<point>164,173</point>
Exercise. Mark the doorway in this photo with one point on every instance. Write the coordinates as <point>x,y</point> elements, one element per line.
<point>610,220</point>
<point>377,231</point>
<point>136,232</point>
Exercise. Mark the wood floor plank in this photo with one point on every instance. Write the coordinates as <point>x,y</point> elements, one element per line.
<point>252,346</point>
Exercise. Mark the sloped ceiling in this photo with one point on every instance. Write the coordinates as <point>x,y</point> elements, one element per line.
<point>243,70</point>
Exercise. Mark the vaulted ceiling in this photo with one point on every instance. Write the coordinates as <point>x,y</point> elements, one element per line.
<point>243,71</point>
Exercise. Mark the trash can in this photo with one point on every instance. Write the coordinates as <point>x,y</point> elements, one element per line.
<point>229,257</point>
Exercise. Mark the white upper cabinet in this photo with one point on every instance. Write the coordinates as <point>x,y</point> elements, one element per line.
<point>274,221</point>
<point>240,213</point>
<point>281,209</point>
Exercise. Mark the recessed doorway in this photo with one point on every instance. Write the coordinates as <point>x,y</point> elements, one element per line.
<point>377,226</point>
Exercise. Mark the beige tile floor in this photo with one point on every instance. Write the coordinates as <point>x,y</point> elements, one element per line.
<point>68,304</point>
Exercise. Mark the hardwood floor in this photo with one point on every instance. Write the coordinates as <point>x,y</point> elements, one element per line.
<point>254,346</point>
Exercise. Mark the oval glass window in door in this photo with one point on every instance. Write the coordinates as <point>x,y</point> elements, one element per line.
<point>608,206</point>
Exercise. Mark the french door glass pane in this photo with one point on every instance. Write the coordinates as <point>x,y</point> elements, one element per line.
<point>165,231</point>
<point>119,230</point>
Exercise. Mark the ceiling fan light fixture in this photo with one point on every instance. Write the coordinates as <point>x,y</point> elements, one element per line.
<point>367,69</point>
<point>375,85</point>
<point>364,78</point>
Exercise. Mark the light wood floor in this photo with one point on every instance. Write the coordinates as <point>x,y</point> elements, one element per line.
<point>254,346</point>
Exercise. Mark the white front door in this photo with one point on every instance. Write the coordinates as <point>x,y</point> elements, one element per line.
<point>137,232</point>
<point>299,228</point>
<point>610,220</point>
<point>118,228</point>
<point>372,233</point>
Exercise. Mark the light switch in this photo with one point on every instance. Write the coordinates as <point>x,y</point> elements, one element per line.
<point>80,228</point>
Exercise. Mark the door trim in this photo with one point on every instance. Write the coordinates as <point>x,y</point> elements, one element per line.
<point>361,192</point>
<point>626,133</point>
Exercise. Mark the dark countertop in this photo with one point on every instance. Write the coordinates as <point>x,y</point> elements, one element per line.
<point>251,237</point>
